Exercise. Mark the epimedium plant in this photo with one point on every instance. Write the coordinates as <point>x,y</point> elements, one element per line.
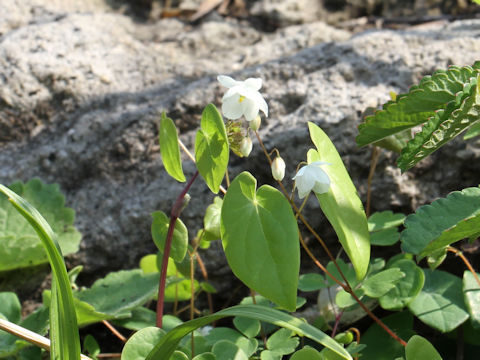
<point>259,230</point>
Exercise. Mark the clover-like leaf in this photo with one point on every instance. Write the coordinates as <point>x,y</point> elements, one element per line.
<point>382,282</point>
<point>19,243</point>
<point>179,245</point>
<point>211,148</point>
<point>341,204</point>
<point>260,239</point>
<point>440,303</point>
<point>168,140</point>
<point>141,343</point>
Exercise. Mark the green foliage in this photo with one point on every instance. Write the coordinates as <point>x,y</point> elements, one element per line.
<point>160,225</point>
<point>211,221</point>
<point>260,239</point>
<point>442,223</point>
<point>341,204</point>
<point>247,346</point>
<point>91,346</point>
<point>407,288</point>
<point>311,282</point>
<point>382,282</point>
<point>248,327</point>
<point>307,353</point>
<point>383,227</point>
<point>168,140</point>
<point>443,126</point>
<point>418,348</point>
<point>140,344</point>
<point>417,106</point>
<point>211,148</point>
<point>471,293</point>
<point>440,303</point>
<point>169,342</point>
<point>63,322</point>
<point>19,243</point>
<point>282,342</point>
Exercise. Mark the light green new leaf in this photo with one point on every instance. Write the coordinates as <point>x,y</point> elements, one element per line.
<point>211,221</point>
<point>19,243</point>
<point>471,293</point>
<point>63,322</point>
<point>382,282</point>
<point>442,222</point>
<point>282,342</point>
<point>211,148</point>
<point>419,348</point>
<point>384,220</point>
<point>341,204</point>
<point>169,342</point>
<point>407,288</point>
<point>440,303</point>
<point>168,140</point>
<point>141,343</point>
<point>159,229</point>
<point>10,307</point>
<point>260,239</point>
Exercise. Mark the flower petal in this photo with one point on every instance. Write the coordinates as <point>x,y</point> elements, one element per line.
<point>231,108</point>
<point>226,81</point>
<point>261,103</point>
<point>254,83</point>
<point>322,181</point>
<point>250,109</point>
<point>304,181</point>
<point>236,90</point>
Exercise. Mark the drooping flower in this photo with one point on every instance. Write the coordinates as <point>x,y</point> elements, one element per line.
<point>246,146</point>
<point>242,98</point>
<point>312,178</point>
<point>278,168</point>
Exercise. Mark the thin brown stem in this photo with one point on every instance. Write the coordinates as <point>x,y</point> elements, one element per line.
<point>357,338</point>
<point>227,178</point>
<point>465,260</point>
<point>174,214</point>
<point>114,331</point>
<point>109,355</point>
<point>373,165</point>
<point>203,269</point>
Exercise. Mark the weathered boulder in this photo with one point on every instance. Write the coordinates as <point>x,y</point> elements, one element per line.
<point>81,95</point>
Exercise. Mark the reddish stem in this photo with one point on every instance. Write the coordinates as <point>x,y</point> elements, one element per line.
<point>174,214</point>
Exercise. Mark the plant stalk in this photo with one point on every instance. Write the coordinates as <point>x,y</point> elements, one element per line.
<point>174,215</point>
<point>465,260</point>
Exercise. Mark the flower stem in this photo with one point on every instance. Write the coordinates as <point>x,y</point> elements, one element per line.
<point>174,214</point>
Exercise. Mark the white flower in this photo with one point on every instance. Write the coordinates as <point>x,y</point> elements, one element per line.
<point>278,168</point>
<point>312,178</point>
<point>242,98</point>
<point>246,146</point>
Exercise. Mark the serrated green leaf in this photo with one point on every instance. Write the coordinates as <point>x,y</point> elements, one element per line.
<point>440,303</point>
<point>442,222</point>
<point>211,221</point>
<point>419,348</point>
<point>260,239</point>
<point>120,292</point>
<point>407,288</point>
<point>211,148</point>
<point>168,344</point>
<point>395,142</point>
<point>473,131</point>
<point>471,293</point>
<point>341,204</point>
<point>384,220</point>
<point>307,353</point>
<point>380,345</point>
<point>282,342</point>
<point>160,225</point>
<point>311,282</point>
<point>168,140</point>
<point>443,126</point>
<point>19,243</point>
<point>382,282</point>
<point>415,107</point>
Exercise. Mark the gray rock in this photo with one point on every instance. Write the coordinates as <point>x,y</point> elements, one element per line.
<point>81,95</point>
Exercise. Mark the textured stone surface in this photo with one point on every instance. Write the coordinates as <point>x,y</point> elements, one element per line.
<point>81,95</point>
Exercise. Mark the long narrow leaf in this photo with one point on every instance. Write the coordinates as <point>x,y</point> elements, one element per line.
<point>167,345</point>
<point>64,329</point>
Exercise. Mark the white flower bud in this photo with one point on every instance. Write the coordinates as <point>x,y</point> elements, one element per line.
<point>246,146</point>
<point>255,123</point>
<point>312,178</point>
<point>278,168</point>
